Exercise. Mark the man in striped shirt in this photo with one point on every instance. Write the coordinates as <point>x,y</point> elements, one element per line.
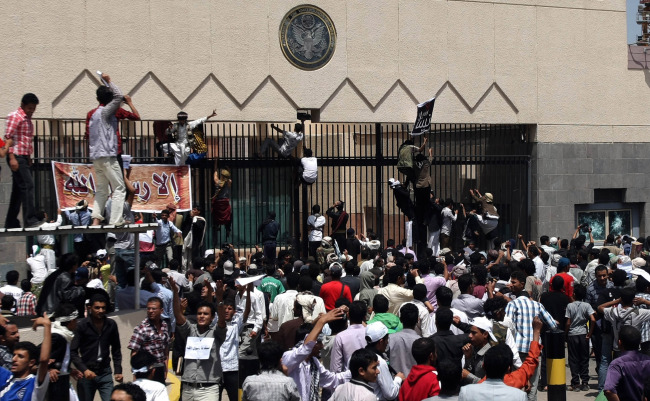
<point>20,130</point>
<point>522,311</point>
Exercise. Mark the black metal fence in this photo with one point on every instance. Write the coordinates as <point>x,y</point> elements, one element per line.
<point>355,162</point>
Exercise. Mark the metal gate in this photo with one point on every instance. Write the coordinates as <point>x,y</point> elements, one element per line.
<point>355,161</point>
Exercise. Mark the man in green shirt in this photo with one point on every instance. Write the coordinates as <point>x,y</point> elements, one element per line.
<point>271,284</point>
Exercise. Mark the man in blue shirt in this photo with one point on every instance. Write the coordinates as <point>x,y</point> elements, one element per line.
<point>163,237</point>
<point>20,384</point>
<point>269,230</point>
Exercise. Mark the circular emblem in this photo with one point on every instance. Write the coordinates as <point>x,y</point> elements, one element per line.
<point>307,37</point>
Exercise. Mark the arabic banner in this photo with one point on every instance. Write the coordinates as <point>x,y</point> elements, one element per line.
<point>423,120</point>
<point>156,186</point>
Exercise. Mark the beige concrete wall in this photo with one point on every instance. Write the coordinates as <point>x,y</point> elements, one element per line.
<point>555,63</point>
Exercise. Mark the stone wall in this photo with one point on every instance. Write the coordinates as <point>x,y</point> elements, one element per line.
<point>566,174</point>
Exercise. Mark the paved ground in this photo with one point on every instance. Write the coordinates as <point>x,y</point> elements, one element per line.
<point>582,395</point>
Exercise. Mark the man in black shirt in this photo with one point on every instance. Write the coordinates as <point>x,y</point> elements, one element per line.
<point>339,222</point>
<point>95,337</point>
<point>449,346</point>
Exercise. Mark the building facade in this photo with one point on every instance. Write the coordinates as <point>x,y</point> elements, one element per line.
<point>558,67</point>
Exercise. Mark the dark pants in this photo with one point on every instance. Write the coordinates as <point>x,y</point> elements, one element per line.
<point>597,343</point>
<point>578,347</point>
<point>103,383</point>
<point>60,389</point>
<point>269,251</point>
<point>645,348</point>
<point>543,379</point>
<point>22,194</point>
<point>159,374</point>
<point>444,241</point>
<point>84,248</point>
<point>247,367</point>
<point>341,241</point>
<point>230,384</point>
<point>313,246</point>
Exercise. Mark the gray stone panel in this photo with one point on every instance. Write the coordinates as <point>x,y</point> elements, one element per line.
<point>567,174</point>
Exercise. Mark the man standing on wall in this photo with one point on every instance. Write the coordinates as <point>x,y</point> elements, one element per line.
<point>179,131</point>
<point>20,130</point>
<point>102,136</point>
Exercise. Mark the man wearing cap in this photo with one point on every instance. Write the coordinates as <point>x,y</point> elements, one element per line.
<point>81,217</point>
<point>339,218</point>
<point>497,363</point>
<point>488,219</point>
<point>326,249</point>
<point>386,387</point>
<point>179,131</point>
<point>480,336</point>
<point>315,224</point>
<point>562,271</point>
<point>335,289</point>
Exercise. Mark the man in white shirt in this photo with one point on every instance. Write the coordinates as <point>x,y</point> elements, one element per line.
<point>229,350</point>
<point>143,372</point>
<point>36,265</point>
<point>386,387</point>
<point>534,253</point>
<point>181,131</point>
<point>448,217</point>
<point>282,308</point>
<point>308,167</point>
<point>47,242</point>
<point>315,225</point>
<point>252,330</point>
<point>12,285</point>
<point>289,142</point>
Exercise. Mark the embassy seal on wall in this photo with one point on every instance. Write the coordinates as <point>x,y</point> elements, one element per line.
<point>307,37</point>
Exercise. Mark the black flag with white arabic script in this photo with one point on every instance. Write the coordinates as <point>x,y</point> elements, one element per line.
<point>423,120</point>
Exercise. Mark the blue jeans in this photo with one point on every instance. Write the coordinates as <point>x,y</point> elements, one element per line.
<point>605,358</point>
<point>102,383</point>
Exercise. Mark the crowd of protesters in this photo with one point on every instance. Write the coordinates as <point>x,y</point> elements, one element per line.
<point>458,315</point>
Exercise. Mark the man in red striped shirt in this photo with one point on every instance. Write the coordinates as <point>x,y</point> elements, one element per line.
<point>20,130</point>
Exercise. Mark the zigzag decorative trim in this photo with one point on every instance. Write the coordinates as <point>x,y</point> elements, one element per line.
<point>270,80</point>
